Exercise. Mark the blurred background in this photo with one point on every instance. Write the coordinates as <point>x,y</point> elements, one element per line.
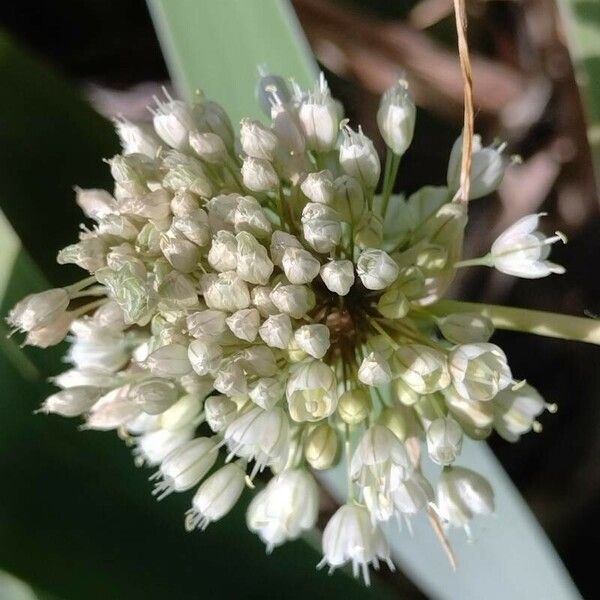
<point>76,518</point>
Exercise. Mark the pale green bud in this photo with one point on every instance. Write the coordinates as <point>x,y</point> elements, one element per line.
<point>354,406</point>
<point>369,231</point>
<point>422,368</point>
<point>444,440</point>
<point>462,328</point>
<point>321,447</point>
<point>401,421</point>
<point>349,198</point>
<point>475,418</point>
<point>393,304</point>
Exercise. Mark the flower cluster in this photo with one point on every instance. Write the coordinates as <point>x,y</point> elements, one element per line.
<point>255,304</point>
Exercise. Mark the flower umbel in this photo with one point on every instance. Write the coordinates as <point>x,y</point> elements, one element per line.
<point>249,313</point>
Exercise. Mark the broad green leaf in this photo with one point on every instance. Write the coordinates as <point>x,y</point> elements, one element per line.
<point>582,26</point>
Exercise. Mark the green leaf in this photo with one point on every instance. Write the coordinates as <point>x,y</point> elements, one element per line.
<point>582,26</point>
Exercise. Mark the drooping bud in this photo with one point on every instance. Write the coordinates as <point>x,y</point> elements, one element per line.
<point>464,328</point>
<point>321,446</point>
<point>354,406</point>
<point>444,440</point>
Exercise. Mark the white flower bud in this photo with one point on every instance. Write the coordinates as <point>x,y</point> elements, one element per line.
<point>154,395</point>
<point>286,126</point>
<point>116,226</point>
<point>318,187</point>
<point>444,440</point>
<point>266,392</point>
<point>194,227</point>
<point>463,328</point>
<point>88,254</point>
<point>50,334</point>
<point>338,276</point>
<point>261,298</point>
<point>137,139</point>
<point>413,494</point>
<point>321,446</point>
<point>311,391</point>
<point>487,168</point>
<point>396,117</point>
<point>182,254</point>
<point>208,146</point>
<point>204,356</point>
<point>259,175</point>
<point>422,368</point>
<point>186,173</point>
<point>85,377</point>
<point>72,401</point>
<point>257,140</point>
<point>230,380</point>
<point>319,115</point>
<point>222,255</point>
<point>374,370</point>
<point>244,324</point>
<point>39,310</point>
<point>376,269</point>
<point>154,446</point>
<point>313,339</point>
<point>515,411</point>
<point>349,536</point>
<point>522,250</point>
<point>216,496</point>
<point>299,265</point>
<point>293,300</point>
<point>211,116</point>
<point>181,414</point>
<point>221,211</point>
<point>358,157</point>
<point>463,494</point>
<point>479,371</point>
<point>321,227</point>
<point>173,121</point>
<point>280,242</point>
<point>258,360</point>
<point>276,331</point>
<point>354,406</point>
<point>169,361</point>
<point>288,506</point>
<point>112,410</point>
<point>228,291</point>
<point>253,262</point>
<point>380,460</point>
<point>183,468</point>
<point>220,411</point>
<point>260,435</point>
<point>184,203</point>
<point>206,323</point>
<point>96,204</point>
<point>250,216</point>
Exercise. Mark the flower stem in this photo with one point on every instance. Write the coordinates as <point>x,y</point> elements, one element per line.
<point>392,162</point>
<point>539,322</point>
<point>482,261</point>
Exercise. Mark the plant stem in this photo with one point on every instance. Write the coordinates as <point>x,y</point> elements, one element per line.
<point>482,261</point>
<point>392,162</point>
<point>539,322</point>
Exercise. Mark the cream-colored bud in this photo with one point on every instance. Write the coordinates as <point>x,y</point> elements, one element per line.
<point>250,216</point>
<point>222,255</point>
<point>259,175</point>
<point>401,421</point>
<point>464,328</point>
<point>231,380</point>
<point>169,361</point>
<point>321,446</point>
<point>358,157</point>
<point>318,187</point>
<point>293,300</point>
<point>280,242</point>
<point>299,265</point>
<point>319,116</point>
<point>354,406</point>
<point>38,310</point>
<point>220,411</point>
<point>257,140</point>
<point>173,122</point>
<point>73,401</point>
<point>253,262</point>
<point>194,227</point>
<point>444,440</point>
<point>422,368</point>
<point>186,173</point>
<point>276,331</point>
<point>154,395</point>
<point>396,118</point>
<point>204,356</point>
<point>376,269</point>
<point>228,291</point>
<point>321,227</point>
<point>244,324</point>
<point>267,391</point>
<point>374,370</point>
<point>313,339</point>
<point>312,391</point>
<point>182,254</point>
<point>208,146</point>
<point>261,298</point>
<point>338,276</point>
